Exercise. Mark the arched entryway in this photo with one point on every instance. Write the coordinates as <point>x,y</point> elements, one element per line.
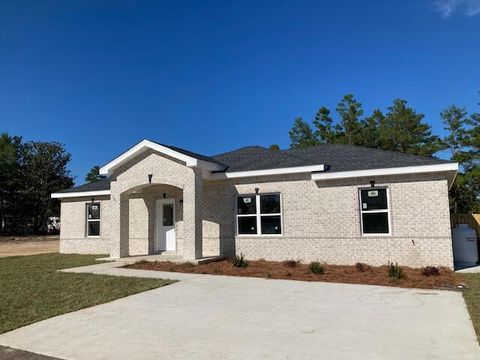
<point>151,220</point>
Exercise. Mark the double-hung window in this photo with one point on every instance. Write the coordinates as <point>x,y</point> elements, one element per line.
<point>374,211</point>
<point>93,219</point>
<point>259,214</point>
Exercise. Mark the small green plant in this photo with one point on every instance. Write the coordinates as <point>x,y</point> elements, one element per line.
<point>395,272</point>
<point>189,264</point>
<point>430,271</point>
<point>239,261</point>
<point>316,268</point>
<point>291,263</point>
<point>268,275</point>
<point>141,262</point>
<point>362,267</point>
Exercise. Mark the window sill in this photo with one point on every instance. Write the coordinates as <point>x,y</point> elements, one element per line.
<point>259,236</point>
<point>377,235</point>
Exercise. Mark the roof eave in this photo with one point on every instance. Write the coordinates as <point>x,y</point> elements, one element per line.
<point>73,194</point>
<point>266,172</point>
<point>420,169</point>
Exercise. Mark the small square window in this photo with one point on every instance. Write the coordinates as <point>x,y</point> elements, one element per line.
<point>94,228</point>
<point>93,211</point>
<point>375,223</point>
<point>270,204</point>
<point>271,224</point>
<point>247,225</point>
<point>246,205</point>
<point>374,199</point>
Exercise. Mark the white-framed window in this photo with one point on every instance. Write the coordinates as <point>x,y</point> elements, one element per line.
<point>93,219</point>
<point>374,211</point>
<point>259,214</point>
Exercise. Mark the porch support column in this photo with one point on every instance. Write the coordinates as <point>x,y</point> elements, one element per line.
<point>192,216</point>
<point>119,220</point>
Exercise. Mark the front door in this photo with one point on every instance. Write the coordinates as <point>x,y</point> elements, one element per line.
<point>165,226</point>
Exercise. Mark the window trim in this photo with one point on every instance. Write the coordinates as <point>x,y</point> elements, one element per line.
<point>387,210</point>
<point>87,220</point>
<point>258,215</point>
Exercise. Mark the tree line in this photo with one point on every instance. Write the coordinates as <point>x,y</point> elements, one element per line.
<point>29,173</point>
<point>401,128</point>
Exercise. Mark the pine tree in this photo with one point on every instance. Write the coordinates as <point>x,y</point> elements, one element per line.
<point>350,111</point>
<point>403,130</point>
<point>94,174</point>
<point>302,135</point>
<point>323,123</point>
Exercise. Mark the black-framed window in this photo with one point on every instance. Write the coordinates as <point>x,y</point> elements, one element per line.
<point>259,214</point>
<point>93,219</point>
<point>374,211</point>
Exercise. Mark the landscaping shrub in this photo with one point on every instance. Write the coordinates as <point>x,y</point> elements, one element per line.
<point>239,261</point>
<point>141,262</point>
<point>362,267</point>
<point>291,263</point>
<point>316,268</point>
<point>430,271</point>
<point>396,272</point>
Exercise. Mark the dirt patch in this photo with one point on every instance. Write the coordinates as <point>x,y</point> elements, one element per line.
<point>296,271</point>
<point>8,353</point>
<point>28,245</point>
<point>27,238</point>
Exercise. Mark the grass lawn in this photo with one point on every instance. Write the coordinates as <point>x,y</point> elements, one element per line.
<point>472,299</point>
<point>32,290</point>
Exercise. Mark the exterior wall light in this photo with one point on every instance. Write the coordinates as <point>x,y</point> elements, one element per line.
<point>372,183</point>
<point>150,178</point>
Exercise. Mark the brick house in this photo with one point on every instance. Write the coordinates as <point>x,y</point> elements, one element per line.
<point>338,204</point>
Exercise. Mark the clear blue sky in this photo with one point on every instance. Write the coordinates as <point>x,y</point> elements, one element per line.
<point>211,76</point>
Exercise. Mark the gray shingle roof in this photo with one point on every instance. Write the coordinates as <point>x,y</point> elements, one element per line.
<point>190,153</point>
<point>336,157</point>
<point>349,158</point>
<point>103,184</point>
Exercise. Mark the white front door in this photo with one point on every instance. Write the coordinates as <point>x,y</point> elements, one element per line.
<point>165,226</point>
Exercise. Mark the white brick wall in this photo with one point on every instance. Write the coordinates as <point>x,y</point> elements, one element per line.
<point>321,221</point>
<point>73,233</point>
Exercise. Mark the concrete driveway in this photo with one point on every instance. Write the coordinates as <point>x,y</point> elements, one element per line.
<point>216,317</point>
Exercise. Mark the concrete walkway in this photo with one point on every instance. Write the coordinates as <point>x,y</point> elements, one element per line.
<point>220,317</point>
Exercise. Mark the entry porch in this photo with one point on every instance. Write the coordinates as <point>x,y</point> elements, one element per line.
<point>157,219</point>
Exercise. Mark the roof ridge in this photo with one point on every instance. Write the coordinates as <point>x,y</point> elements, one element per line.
<point>366,148</point>
<point>241,148</point>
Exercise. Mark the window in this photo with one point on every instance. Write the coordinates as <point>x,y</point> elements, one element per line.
<point>374,211</point>
<point>259,215</point>
<point>93,219</point>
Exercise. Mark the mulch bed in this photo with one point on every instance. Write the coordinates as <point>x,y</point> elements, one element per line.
<point>296,271</point>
